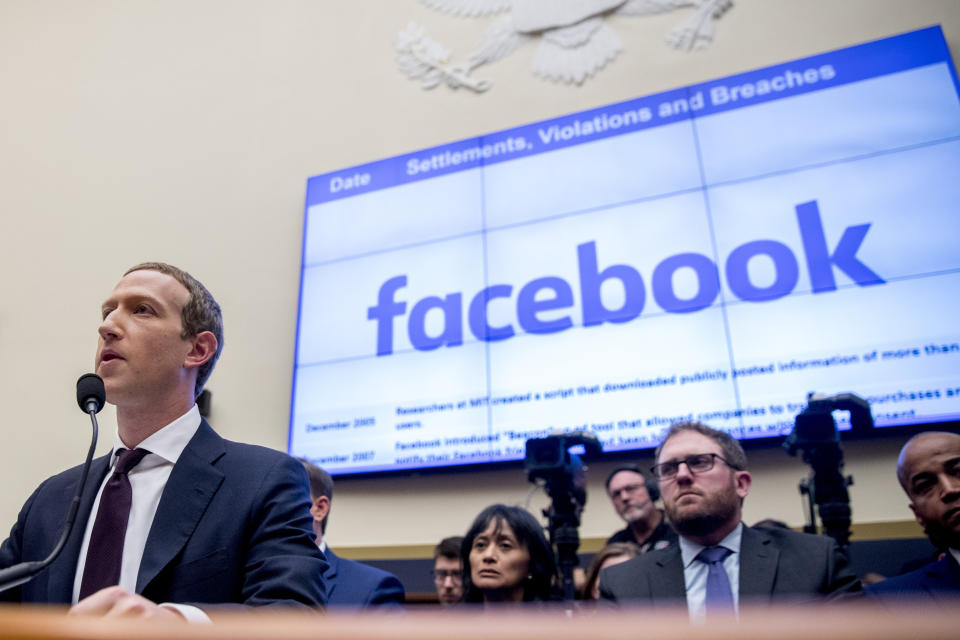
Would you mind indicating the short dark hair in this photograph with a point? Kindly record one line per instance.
(733, 453)
(448, 548)
(201, 313)
(652, 488)
(543, 567)
(321, 484)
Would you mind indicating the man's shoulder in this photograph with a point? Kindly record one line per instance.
(207, 442)
(788, 539)
(361, 584)
(66, 480)
(655, 558)
(934, 576)
(364, 571)
(624, 535)
(909, 582)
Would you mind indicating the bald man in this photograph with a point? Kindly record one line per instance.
(929, 472)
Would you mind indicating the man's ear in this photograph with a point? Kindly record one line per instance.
(742, 481)
(916, 515)
(320, 508)
(203, 348)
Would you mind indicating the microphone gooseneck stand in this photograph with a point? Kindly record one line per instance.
(90, 397)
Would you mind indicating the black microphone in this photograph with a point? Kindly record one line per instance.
(90, 396)
(90, 393)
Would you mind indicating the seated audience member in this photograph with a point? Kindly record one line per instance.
(719, 562)
(929, 472)
(507, 558)
(448, 571)
(633, 494)
(349, 583)
(612, 554)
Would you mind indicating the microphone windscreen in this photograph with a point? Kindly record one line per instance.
(90, 388)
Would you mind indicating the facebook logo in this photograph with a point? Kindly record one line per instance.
(539, 303)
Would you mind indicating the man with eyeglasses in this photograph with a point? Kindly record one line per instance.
(448, 571)
(633, 493)
(719, 563)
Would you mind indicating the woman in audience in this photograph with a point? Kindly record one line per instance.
(507, 558)
(613, 553)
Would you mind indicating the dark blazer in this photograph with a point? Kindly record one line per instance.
(938, 580)
(774, 565)
(354, 584)
(232, 526)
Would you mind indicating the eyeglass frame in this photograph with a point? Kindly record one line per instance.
(655, 469)
(440, 575)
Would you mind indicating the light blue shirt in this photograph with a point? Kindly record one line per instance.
(695, 573)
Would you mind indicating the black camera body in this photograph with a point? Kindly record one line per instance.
(549, 459)
(815, 435)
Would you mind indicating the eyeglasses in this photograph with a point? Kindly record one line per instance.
(440, 575)
(698, 463)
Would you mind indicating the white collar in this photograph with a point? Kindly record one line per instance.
(170, 441)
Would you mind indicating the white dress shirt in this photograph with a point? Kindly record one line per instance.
(695, 573)
(147, 481)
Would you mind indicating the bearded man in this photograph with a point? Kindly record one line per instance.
(719, 563)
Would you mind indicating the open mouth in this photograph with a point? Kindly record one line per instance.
(109, 356)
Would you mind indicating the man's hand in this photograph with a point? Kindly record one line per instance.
(117, 602)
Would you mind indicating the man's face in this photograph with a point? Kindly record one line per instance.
(630, 498)
(698, 504)
(140, 354)
(447, 574)
(930, 470)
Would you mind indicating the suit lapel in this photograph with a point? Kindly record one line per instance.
(191, 486)
(667, 581)
(64, 570)
(758, 564)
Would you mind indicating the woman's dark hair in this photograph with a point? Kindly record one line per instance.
(610, 551)
(542, 569)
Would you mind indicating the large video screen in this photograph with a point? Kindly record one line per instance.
(710, 253)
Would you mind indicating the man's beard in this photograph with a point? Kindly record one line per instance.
(714, 512)
(635, 514)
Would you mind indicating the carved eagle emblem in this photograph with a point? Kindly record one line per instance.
(573, 39)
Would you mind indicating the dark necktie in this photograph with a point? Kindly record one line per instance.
(719, 595)
(105, 551)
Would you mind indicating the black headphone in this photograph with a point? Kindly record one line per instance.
(648, 480)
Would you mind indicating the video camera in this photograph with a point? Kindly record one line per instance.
(550, 460)
(815, 434)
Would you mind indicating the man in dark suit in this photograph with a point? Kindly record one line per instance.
(929, 472)
(349, 583)
(186, 518)
(719, 563)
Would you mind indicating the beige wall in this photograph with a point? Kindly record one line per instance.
(184, 131)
